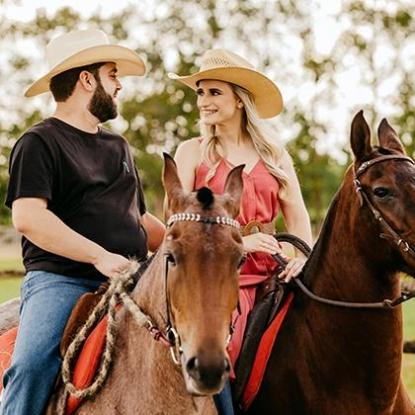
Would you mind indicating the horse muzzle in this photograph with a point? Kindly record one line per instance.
(206, 376)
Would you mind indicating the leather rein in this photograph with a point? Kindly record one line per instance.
(170, 336)
(390, 234)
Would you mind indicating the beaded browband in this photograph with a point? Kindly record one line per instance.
(196, 217)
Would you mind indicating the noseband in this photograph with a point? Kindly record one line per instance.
(171, 333)
(390, 234)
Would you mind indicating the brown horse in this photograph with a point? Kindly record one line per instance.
(332, 360)
(192, 285)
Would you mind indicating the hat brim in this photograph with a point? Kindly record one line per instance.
(128, 63)
(267, 96)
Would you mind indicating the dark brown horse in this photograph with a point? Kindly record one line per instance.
(192, 285)
(339, 361)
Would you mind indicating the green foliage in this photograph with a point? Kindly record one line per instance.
(156, 113)
(319, 174)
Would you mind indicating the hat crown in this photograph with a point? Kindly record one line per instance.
(69, 44)
(220, 58)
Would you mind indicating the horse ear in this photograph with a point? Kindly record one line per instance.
(233, 190)
(360, 137)
(172, 185)
(388, 137)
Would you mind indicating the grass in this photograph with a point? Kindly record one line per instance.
(7, 264)
(408, 364)
(9, 288)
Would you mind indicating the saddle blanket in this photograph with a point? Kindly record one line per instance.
(85, 367)
(262, 355)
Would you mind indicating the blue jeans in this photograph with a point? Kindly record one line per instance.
(223, 400)
(47, 300)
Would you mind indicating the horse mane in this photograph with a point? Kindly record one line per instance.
(310, 267)
(205, 197)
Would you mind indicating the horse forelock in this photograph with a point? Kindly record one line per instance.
(205, 196)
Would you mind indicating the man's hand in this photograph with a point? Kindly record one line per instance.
(111, 264)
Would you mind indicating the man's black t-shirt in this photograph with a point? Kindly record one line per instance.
(90, 183)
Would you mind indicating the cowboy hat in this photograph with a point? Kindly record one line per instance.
(85, 47)
(222, 65)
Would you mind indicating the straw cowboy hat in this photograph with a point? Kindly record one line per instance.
(85, 47)
(222, 65)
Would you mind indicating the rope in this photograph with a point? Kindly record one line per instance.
(117, 291)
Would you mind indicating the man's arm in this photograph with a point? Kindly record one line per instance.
(36, 222)
(155, 230)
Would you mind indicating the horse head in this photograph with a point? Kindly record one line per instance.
(203, 254)
(384, 178)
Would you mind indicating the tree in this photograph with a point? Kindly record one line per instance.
(278, 37)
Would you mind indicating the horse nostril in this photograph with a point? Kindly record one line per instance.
(192, 368)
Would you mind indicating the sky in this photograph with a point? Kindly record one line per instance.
(326, 29)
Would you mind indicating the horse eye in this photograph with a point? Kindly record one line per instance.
(381, 192)
(170, 258)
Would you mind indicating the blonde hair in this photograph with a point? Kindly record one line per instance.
(258, 130)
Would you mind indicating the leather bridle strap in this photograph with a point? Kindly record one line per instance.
(390, 234)
(305, 249)
(171, 333)
(365, 165)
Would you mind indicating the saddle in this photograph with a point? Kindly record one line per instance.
(87, 303)
(263, 325)
(80, 314)
(271, 295)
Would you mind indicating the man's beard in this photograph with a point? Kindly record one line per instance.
(102, 105)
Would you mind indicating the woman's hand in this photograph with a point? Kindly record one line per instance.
(261, 242)
(293, 268)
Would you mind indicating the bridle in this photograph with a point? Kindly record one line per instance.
(171, 333)
(390, 234)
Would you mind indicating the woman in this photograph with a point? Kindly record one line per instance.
(232, 98)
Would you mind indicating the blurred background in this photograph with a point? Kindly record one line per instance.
(329, 58)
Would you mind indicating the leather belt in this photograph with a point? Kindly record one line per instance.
(255, 226)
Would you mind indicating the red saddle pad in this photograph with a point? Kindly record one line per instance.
(85, 367)
(7, 341)
(263, 353)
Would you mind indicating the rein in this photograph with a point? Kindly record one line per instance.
(390, 235)
(118, 291)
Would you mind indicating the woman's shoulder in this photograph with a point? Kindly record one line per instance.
(191, 144)
(285, 161)
(190, 149)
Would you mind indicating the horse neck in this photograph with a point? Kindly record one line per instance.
(351, 263)
(150, 293)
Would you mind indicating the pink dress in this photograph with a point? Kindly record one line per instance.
(259, 202)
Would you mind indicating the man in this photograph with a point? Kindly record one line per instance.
(77, 199)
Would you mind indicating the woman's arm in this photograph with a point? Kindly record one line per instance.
(187, 158)
(296, 218)
(155, 230)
